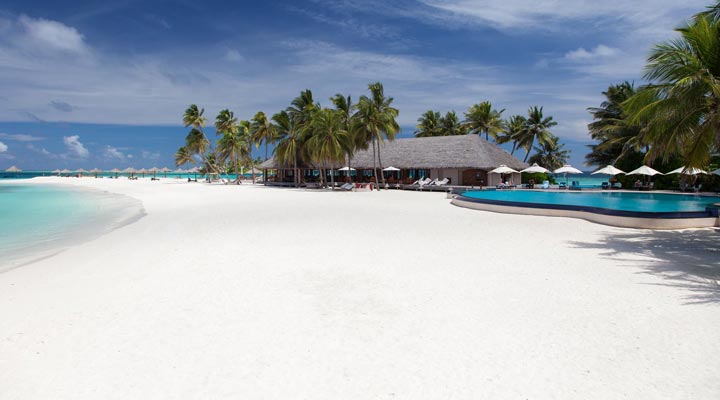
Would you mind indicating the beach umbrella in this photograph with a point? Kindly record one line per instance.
(130, 170)
(142, 171)
(96, 171)
(503, 169)
(391, 169)
(644, 170)
(346, 169)
(65, 171)
(567, 169)
(535, 168)
(57, 171)
(609, 170)
(165, 170)
(80, 171)
(116, 171)
(687, 171)
(154, 171)
(13, 169)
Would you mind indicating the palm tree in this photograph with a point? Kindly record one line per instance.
(287, 151)
(450, 125)
(196, 141)
(183, 156)
(328, 142)
(263, 130)
(550, 154)
(680, 111)
(346, 108)
(482, 118)
(226, 125)
(246, 137)
(537, 129)
(376, 121)
(514, 129)
(429, 124)
(610, 127)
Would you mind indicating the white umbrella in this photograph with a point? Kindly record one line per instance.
(716, 172)
(609, 170)
(567, 169)
(687, 171)
(503, 169)
(535, 168)
(346, 169)
(391, 169)
(644, 170)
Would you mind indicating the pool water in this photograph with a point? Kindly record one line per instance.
(623, 201)
(37, 220)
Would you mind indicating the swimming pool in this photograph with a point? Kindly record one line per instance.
(629, 209)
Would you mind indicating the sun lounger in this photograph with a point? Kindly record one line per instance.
(347, 186)
(442, 182)
(617, 185)
(545, 185)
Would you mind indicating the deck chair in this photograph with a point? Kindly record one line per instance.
(545, 185)
(442, 182)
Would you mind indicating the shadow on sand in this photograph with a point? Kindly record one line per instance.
(687, 259)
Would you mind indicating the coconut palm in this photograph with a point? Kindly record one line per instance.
(346, 108)
(376, 122)
(196, 141)
(328, 142)
(226, 125)
(450, 125)
(482, 118)
(246, 137)
(232, 146)
(263, 130)
(550, 153)
(610, 127)
(287, 151)
(537, 129)
(513, 130)
(429, 124)
(183, 156)
(680, 110)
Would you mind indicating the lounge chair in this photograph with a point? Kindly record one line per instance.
(545, 185)
(347, 186)
(605, 185)
(617, 185)
(442, 182)
(432, 183)
(424, 182)
(562, 185)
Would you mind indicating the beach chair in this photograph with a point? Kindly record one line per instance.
(442, 182)
(562, 185)
(605, 185)
(347, 186)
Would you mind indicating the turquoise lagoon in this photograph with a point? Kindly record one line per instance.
(39, 220)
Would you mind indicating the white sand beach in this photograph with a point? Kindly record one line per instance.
(247, 292)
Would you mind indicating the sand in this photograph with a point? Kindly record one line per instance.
(247, 292)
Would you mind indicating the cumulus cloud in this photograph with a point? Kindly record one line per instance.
(233, 55)
(3, 147)
(20, 137)
(114, 153)
(62, 106)
(150, 155)
(601, 51)
(75, 147)
(53, 35)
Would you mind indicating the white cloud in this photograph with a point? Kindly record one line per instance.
(233, 56)
(53, 35)
(75, 147)
(601, 51)
(3, 147)
(150, 155)
(114, 153)
(20, 137)
(39, 150)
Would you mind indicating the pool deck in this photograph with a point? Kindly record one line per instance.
(623, 219)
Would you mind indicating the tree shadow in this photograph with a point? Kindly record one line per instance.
(688, 259)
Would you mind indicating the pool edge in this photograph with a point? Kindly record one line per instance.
(623, 221)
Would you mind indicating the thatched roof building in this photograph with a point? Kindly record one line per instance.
(465, 158)
(462, 151)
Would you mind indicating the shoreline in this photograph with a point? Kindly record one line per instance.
(122, 210)
(246, 291)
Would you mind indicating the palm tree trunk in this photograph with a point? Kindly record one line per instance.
(266, 149)
(528, 149)
(295, 173)
(252, 168)
(513, 149)
(332, 177)
(377, 184)
(382, 175)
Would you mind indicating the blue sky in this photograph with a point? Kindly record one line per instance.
(104, 84)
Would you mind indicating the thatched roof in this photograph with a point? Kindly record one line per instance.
(463, 151)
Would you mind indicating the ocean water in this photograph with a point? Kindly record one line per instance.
(625, 201)
(39, 220)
